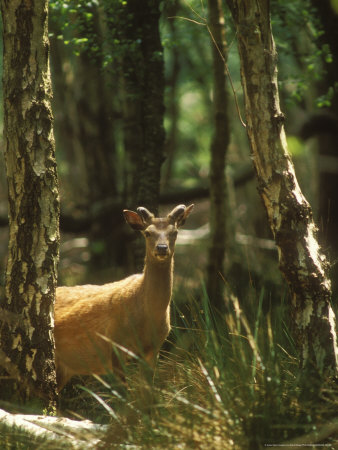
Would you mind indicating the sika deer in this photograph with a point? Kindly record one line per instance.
(133, 312)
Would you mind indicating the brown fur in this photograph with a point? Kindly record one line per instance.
(133, 312)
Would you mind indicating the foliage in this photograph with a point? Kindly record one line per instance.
(75, 20)
(296, 28)
(297, 32)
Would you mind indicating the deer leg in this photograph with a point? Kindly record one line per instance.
(151, 358)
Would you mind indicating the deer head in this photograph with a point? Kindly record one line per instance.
(160, 233)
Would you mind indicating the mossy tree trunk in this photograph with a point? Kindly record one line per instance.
(26, 320)
(289, 214)
(218, 149)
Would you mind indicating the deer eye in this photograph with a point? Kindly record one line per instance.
(147, 233)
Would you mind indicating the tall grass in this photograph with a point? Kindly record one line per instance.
(227, 381)
(224, 381)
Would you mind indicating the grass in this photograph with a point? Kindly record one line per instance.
(226, 381)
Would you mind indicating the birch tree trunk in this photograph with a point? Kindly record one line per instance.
(26, 319)
(289, 214)
(218, 150)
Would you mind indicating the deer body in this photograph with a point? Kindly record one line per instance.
(133, 312)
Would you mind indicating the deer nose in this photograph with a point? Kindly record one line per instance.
(162, 249)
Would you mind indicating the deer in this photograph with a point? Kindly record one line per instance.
(133, 313)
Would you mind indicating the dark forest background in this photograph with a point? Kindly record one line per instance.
(103, 102)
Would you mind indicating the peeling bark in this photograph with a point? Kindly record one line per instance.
(289, 213)
(26, 329)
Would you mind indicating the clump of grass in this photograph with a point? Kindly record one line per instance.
(226, 382)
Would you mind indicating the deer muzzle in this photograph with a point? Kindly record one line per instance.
(162, 249)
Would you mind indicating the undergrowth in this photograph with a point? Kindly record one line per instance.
(226, 381)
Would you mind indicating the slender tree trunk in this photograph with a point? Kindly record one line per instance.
(219, 146)
(143, 80)
(85, 120)
(26, 326)
(144, 104)
(94, 105)
(290, 215)
(172, 103)
(74, 183)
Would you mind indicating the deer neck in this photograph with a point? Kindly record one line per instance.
(158, 282)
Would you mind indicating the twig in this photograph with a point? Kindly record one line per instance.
(205, 23)
(229, 76)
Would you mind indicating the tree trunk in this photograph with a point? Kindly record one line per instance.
(172, 103)
(218, 149)
(96, 134)
(73, 182)
(26, 327)
(143, 79)
(289, 214)
(144, 90)
(85, 130)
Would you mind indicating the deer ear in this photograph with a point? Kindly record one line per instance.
(185, 215)
(179, 214)
(146, 215)
(134, 220)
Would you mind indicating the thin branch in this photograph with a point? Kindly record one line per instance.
(187, 19)
(205, 23)
(195, 12)
(229, 76)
